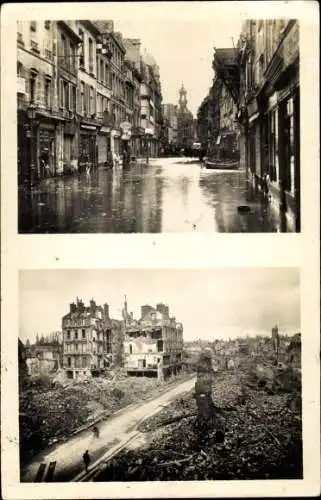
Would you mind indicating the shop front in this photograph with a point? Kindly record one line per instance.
(46, 158)
(70, 148)
(103, 145)
(87, 147)
(23, 152)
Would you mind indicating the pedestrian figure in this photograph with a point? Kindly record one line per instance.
(96, 431)
(86, 459)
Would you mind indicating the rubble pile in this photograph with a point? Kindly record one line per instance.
(262, 439)
(50, 412)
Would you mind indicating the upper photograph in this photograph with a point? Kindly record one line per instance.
(158, 126)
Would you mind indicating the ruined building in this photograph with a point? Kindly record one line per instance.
(91, 339)
(153, 344)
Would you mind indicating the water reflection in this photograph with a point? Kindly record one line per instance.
(166, 196)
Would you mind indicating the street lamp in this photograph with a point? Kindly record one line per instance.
(31, 112)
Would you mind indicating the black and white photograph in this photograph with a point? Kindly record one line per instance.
(160, 375)
(160, 124)
(160, 271)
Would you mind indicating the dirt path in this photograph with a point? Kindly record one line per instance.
(63, 462)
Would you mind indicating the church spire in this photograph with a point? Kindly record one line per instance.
(182, 98)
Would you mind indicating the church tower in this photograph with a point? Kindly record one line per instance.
(182, 98)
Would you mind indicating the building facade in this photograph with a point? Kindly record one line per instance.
(38, 110)
(170, 117)
(74, 90)
(270, 112)
(153, 345)
(90, 339)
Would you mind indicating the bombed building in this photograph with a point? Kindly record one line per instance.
(153, 344)
(91, 339)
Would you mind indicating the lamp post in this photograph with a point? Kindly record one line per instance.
(32, 144)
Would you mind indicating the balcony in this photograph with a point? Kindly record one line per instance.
(91, 68)
(20, 39)
(48, 54)
(34, 46)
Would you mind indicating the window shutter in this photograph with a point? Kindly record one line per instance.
(94, 103)
(78, 100)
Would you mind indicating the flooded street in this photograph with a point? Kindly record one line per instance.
(168, 195)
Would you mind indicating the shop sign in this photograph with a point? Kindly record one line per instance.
(125, 126)
(21, 85)
(88, 127)
(126, 136)
(104, 129)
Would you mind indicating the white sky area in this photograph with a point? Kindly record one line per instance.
(183, 50)
(211, 303)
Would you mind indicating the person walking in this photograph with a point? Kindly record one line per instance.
(86, 459)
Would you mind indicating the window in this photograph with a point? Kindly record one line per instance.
(130, 349)
(84, 362)
(72, 56)
(83, 333)
(47, 92)
(33, 81)
(76, 337)
(65, 95)
(82, 96)
(81, 48)
(69, 361)
(91, 56)
(73, 98)
(47, 25)
(63, 46)
(91, 101)
(102, 76)
(33, 26)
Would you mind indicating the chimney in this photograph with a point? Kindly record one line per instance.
(105, 26)
(163, 309)
(145, 310)
(92, 306)
(73, 307)
(106, 312)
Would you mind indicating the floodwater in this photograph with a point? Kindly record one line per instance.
(168, 195)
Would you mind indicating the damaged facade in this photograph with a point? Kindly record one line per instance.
(153, 345)
(91, 339)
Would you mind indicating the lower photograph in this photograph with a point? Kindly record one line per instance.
(160, 375)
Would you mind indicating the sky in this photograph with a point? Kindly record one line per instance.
(211, 303)
(180, 36)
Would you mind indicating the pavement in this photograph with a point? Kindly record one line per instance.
(63, 462)
(168, 195)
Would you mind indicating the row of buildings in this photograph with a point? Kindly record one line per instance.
(151, 345)
(253, 111)
(82, 91)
